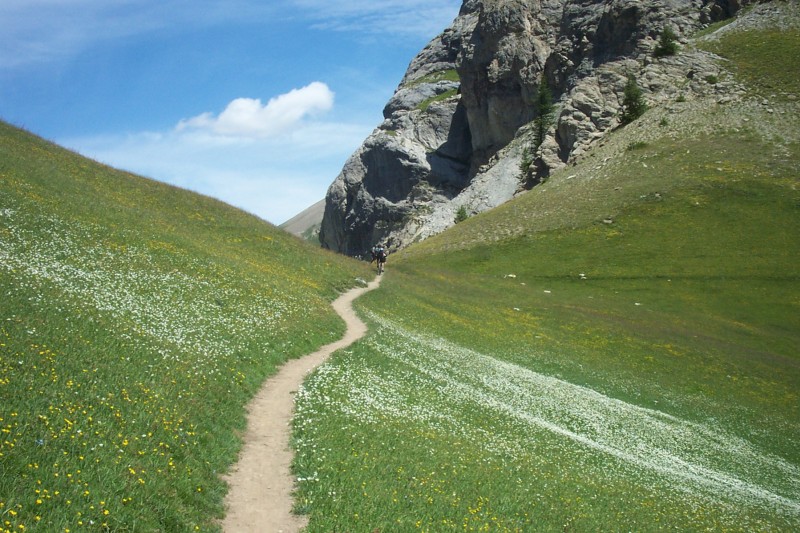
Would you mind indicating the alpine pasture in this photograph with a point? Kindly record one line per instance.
(615, 350)
(136, 321)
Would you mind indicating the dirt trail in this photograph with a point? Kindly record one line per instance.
(261, 484)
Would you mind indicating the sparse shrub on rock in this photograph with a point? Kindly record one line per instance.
(633, 104)
(667, 43)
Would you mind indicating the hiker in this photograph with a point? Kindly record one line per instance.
(375, 251)
(379, 254)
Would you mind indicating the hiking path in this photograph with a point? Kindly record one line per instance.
(260, 484)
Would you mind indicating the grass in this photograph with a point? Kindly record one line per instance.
(435, 436)
(697, 277)
(136, 321)
(714, 26)
(766, 60)
(665, 342)
(637, 145)
(425, 104)
(614, 350)
(442, 75)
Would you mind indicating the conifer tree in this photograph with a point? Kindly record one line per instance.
(633, 104)
(667, 45)
(544, 113)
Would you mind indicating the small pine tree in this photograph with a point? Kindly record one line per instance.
(461, 214)
(633, 104)
(526, 161)
(544, 110)
(544, 113)
(667, 43)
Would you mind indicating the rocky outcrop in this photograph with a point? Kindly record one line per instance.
(462, 119)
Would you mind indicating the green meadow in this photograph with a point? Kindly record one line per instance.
(615, 350)
(136, 321)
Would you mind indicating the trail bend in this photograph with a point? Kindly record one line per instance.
(260, 484)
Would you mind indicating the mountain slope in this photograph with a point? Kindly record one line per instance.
(136, 321)
(616, 349)
(466, 130)
(306, 224)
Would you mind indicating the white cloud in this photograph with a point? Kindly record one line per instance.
(248, 118)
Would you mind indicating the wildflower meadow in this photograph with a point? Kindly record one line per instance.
(136, 320)
(413, 432)
(614, 350)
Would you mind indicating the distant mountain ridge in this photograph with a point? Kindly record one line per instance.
(462, 119)
(306, 224)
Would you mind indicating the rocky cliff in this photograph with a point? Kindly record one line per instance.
(464, 119)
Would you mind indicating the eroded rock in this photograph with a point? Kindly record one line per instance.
(462, 119)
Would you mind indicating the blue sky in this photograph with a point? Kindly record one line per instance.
(255, 102)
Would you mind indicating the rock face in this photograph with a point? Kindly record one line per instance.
(463, 118)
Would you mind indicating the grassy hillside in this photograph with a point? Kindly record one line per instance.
(615, 350)
(136, 320)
